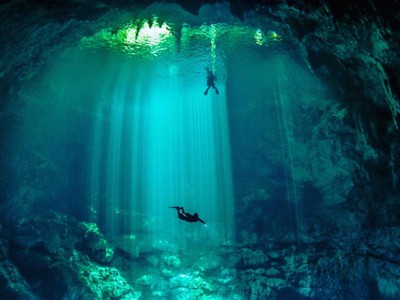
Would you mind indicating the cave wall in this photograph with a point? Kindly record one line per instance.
(355, 174)
(352, 47)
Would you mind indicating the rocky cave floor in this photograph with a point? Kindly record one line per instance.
(53, 256)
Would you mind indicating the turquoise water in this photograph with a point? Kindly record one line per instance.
(159, 142)
(121, 138)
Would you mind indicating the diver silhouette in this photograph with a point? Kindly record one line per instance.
(211, 82)
(186, 216)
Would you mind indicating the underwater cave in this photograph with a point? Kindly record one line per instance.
(199, 149)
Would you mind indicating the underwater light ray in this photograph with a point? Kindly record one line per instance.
(135, 190)
(282, 103)
(164, 146)
(95, 184)
(112, 191)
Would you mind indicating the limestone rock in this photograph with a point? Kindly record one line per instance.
(95, 243)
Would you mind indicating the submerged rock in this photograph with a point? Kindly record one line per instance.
(4, 249)
(44, 231)
(60, 258)
(252, 258)
(62, 278)
(12, 284)
(388, 288)
(147, 279)
(95, 243)
(171, 261)
(29, 261)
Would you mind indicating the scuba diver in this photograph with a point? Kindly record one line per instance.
(186, 216)
(211, 82)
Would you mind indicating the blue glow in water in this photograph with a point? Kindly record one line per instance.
(159, 142)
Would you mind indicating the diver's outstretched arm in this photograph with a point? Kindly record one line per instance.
(201, 221)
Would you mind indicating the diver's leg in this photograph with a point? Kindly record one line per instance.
(182, 215)
(206, 91)
(177, 210)
(216, 90)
